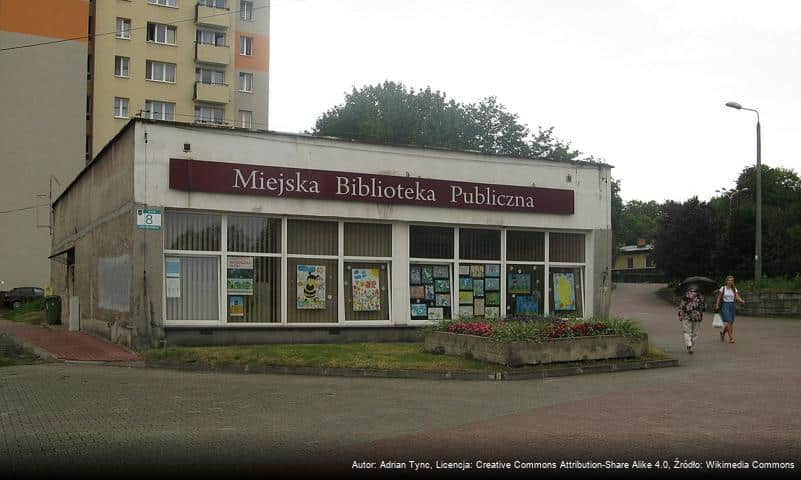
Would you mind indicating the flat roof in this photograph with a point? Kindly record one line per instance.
(304, 136)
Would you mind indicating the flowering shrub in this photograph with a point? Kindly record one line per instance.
(481, 329)
(541, 330)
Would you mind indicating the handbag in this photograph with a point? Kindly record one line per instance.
(717, 321)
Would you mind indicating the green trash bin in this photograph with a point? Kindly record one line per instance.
(53, 309)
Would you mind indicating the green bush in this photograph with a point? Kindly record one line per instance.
(771, 284)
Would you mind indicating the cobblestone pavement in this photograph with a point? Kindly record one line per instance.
(735, 401)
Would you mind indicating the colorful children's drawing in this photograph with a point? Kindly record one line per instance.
(429, 293)
(519, 283)
(492, 312)
(417, 291)
(443, 300)
(564, 292)
(465, 283)
(442, 271)
(492, 284)
(492, 270)
(477, 271)
(527, 305)
(478, 307)
(465, 298)
(464, 269)
(465, 311)
(442, 285)
(492, 299)
(419, 310)
(478, 287)
(414, 275)
(428, 274)
(366, 290)
(311, 287)
(435, 313)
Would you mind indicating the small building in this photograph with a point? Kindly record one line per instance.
(634, 263)
(186, 235)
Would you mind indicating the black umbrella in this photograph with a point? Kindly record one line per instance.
(705, 285)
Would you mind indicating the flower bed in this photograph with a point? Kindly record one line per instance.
(539, 341)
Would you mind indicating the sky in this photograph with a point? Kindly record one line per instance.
(639, 84)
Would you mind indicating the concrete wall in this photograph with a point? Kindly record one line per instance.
(602, 272)
(42, 133)
(96, 218)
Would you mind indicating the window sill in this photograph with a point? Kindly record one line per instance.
(164, 6)
(160, 81)
(245, 55)
(123, 38)
(151, 42)
(122, 76)
(250, 92)
(121, 118)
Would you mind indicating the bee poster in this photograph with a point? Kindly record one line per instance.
(311, 287)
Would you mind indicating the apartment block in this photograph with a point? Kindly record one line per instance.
(193, 61)
(43, 70)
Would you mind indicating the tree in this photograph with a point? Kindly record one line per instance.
(392, 113)
(685, 239)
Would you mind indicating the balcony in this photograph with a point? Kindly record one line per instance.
(212, 93)
(215, 17)
(216, 54)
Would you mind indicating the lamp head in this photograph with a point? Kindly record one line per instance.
(734, 105)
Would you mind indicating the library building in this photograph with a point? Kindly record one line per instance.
(180, 234)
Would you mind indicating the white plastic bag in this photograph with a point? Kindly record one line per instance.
(717, 321)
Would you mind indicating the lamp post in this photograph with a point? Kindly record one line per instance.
(758, 241)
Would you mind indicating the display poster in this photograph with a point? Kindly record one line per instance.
(436, 313)
(172, 267)
(465, 298)
(564, 291)
(465, 283)
(464, 269)
(477, 271)
(493, 298)
(417, 291)
(442, 285)
(420, 310)
(478, 307)
(173, 287)
(441, 271)
(366, 290)
(492, 284)
(519, 283)
(492, 270)
(465, 311)
(311, 287)
(428, 274)
(527, 305)
(492, 312)
(236, 306)
(240, 275)
(429, 293)
(478, 287)
(414, 276)
(443, 300)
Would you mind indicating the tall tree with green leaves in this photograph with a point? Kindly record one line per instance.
(392, 113)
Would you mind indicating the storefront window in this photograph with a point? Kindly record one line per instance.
(430, 291)
(430, 242)
(366, 291)
(192, 287)
(312, 237)
(566, 287)
(566, 247)
(479, 290)
(312, 290)
(254, 234)
(525, 246)
(524, 290)
(475, 244)
(192, 231)
(368, 240)
(254, 289)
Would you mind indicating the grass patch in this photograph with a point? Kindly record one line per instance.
(771, 284)
(31, 312)
(394, 356)
(5, 361)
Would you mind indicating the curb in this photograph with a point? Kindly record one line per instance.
(41, 353)
(416, 374)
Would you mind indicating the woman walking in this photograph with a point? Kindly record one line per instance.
(691, 312)
(724, 304)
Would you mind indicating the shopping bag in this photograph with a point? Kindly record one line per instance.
(717, 321)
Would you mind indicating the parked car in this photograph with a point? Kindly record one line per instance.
(22, 295)
(3, 296)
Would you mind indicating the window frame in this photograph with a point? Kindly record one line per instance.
(120, 31)
(200, 73)
(245, 46)
(212, 117)
(162, 103)
(201, 32)
(164, 3)
(124, 105)
(166, 30)
(150, 68)
(242, 120)
(246, 13)
(118, 61)
(214, 4)
(240, 87)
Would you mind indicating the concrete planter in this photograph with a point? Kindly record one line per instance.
(515, 354)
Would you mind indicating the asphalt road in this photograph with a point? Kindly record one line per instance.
(727, 402)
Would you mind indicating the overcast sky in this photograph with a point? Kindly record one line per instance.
(641, 84)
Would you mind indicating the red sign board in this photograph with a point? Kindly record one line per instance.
(285, 182)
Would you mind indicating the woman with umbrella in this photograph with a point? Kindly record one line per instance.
(691, 308)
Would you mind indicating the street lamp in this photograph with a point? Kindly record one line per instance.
(758, 242)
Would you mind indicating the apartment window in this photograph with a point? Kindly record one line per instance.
(164, 3)
(211, 37)
(160, 33)
(245, 119)
(246, 46)
(245, 82)
(212, 3)
(207, 75)
(160, 71)
(120, 107)
(160, 110)
(121, 65)
(124, 28)
(246, 10)
(209, 115)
